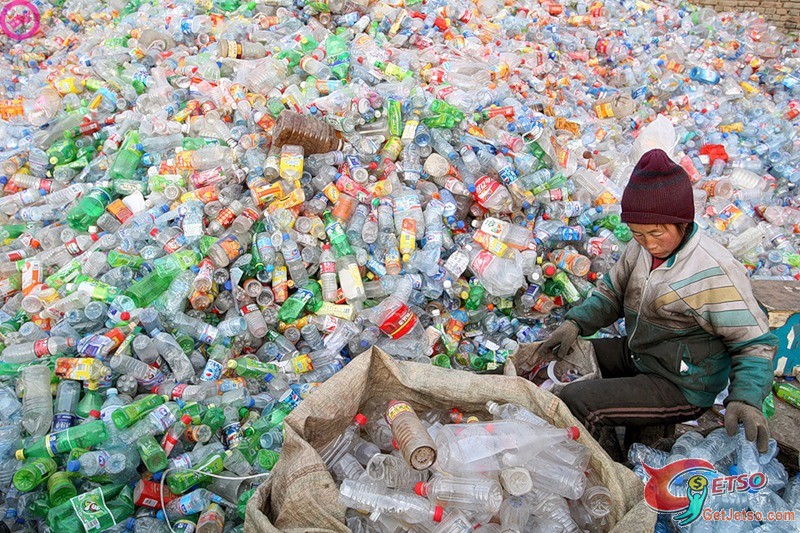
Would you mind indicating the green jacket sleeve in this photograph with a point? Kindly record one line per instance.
(605, 305)
(743, 327)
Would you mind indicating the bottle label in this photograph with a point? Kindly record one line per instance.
(396, 409)
(177, 392)
(182, 461)
(213, 371)
(481, 262)
(302, 364)
(230, 435)
(208, 335)
(399, 323)
(226, 385)
(162, 417)
(405, 203)
(40, 348)
(212, 518)
(187, 505)
(485, 188)
(90, 508)
(62, 421)
(328, 267)
(102, 459)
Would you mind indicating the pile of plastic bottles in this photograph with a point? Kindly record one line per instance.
(423, 473)
(762, 480)
(210, 207)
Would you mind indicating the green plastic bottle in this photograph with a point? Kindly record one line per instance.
(60, 488)
(91, 401)
(93, 511)
(475, 297)
(152, 454)
(214, 417)
(129, 414)
(146, 290)
(787, 393)
(34, 473)
(89, 209)
(181, 481)
(82, 436)
(247, 367)
(290, 309)
(62, 151)
(175, 262)
(267, 459)
(336, 235)
(128, 158)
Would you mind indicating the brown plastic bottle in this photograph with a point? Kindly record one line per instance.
(315, 136)
(412, 439)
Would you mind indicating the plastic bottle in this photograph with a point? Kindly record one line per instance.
(374, 498)
(332, 452)
(413, 441)
(37, 404)
(512, 443)
(476, 495)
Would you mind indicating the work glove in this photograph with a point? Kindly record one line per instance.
(561, 341)
(755, 425)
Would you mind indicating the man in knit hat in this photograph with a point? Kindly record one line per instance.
(691, 319)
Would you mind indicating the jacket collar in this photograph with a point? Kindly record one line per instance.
(685, 249)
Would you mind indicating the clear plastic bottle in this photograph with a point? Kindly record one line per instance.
(37, 404)
(334, 450)
(508, 442)
(30, 351)
(394, 472)
(474, 494)
(96, 463)
(371, 497)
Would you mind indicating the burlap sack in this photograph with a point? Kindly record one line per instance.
(300, 495)
(581, 357)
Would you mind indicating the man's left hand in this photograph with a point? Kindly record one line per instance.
(755, 425)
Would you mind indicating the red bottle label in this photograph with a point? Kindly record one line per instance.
(399, 323)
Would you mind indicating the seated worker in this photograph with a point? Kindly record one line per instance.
(691, 319)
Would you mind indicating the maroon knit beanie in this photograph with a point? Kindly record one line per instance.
(659, 192)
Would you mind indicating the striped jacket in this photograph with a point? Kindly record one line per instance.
(693, 320)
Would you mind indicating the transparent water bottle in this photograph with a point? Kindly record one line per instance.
(37, 404)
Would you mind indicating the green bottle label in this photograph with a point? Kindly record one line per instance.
(91, 509)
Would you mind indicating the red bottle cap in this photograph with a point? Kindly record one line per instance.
(394, 444)
(437, 514)
(421, 489)
(573, 432)
(125, 316)
(94, 413)
(360, 420)
(186, 419)
(549, 270)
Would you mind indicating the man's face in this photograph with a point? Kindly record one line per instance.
(658, 239)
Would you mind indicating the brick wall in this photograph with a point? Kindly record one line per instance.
(784, 14)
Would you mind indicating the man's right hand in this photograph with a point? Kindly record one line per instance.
(561, 341)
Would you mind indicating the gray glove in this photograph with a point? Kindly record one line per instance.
(755, 425)
(562, 339)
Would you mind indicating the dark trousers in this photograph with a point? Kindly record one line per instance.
(625, 396)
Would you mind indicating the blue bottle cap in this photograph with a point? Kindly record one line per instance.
(157, 475)
(160, 515)
(73, 465)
